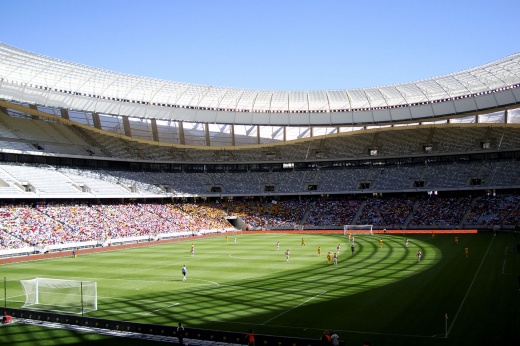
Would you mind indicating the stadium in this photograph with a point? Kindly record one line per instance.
(94, 160)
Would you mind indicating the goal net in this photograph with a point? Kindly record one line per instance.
(71, 296)
(357, 229)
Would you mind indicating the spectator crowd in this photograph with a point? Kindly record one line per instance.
(23, 225)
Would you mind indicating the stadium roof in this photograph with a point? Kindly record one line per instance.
(33, 78)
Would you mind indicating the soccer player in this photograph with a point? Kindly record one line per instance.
(406, 243)
(303, 242)
(352, 248)
(381, 242)
(192, 249)
(466, 250)
(457, 240)
(352, 239)
(338, 248)
(226, 238)
(277, 245)
(335, 259)
(329, 257)
(184, 272)
(287, 255)
(235, 240)
(319, 251)
(350, 236)
(419, 254)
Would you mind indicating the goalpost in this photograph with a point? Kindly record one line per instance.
(72, 296)
(357, 229)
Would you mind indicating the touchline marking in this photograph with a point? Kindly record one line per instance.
(286, 311)
(469, 288)
(504, 266)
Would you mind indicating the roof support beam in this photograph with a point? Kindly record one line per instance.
(64, 113)
(35, 117)
(126, 126)
(155, 131)
(206, 134)
(96, 120)
(181, 133)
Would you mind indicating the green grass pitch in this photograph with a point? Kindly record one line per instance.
(378, 294)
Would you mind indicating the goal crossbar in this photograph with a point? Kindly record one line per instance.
(357, 229)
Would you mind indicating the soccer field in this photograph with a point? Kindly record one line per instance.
(380, 294)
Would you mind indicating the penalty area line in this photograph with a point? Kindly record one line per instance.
(286, 311)
(123, 312)
(166, 307)
(211, 282)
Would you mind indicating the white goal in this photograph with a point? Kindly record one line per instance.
(298, 227)
(357, 229)
(70, 296)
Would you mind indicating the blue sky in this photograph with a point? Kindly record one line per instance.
(268, 44)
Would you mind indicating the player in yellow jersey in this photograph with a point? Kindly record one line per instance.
(329, 258)
(319, 251)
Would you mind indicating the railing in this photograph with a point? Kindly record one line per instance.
(158, 329)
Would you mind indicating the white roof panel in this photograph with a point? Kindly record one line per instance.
(30, 78)
(358, 99)
(338, 99)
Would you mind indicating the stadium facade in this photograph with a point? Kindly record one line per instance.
(112, 135)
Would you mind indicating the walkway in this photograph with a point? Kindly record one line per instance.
(122, 334)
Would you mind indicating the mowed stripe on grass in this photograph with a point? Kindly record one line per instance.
(378, 291)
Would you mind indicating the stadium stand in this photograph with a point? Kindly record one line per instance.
(410, 156)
